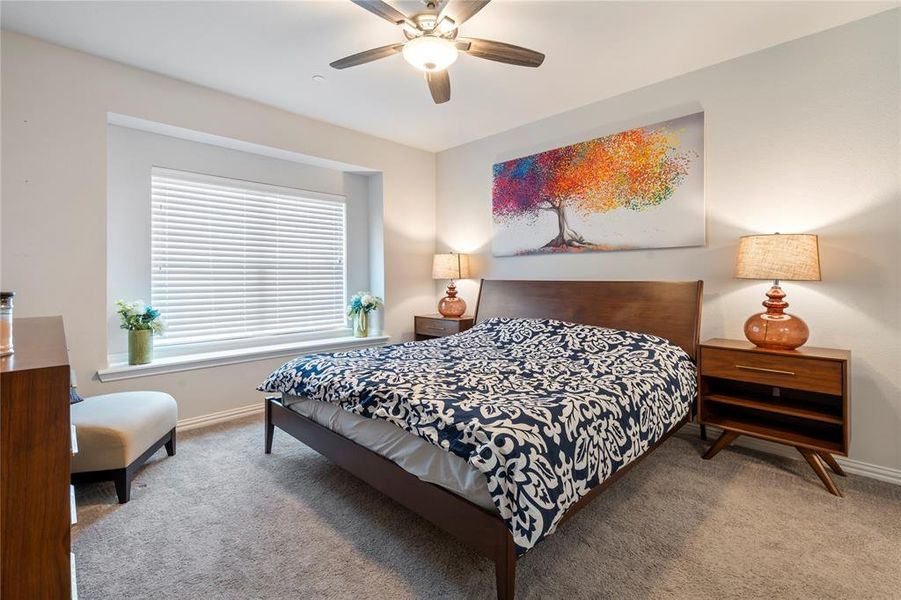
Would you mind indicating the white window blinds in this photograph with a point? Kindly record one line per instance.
(233, 259)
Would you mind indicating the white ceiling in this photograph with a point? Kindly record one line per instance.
(269, 51)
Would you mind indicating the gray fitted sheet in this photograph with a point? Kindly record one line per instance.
(414, 455)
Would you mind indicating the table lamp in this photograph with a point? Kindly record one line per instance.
(793, 257)
(451, 266)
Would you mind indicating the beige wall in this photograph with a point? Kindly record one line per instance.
(54, 194)
(799, 137)
(802, 137)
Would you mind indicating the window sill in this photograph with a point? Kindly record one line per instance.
(175, 364)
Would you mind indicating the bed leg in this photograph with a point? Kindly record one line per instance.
(505, 569)
(270, 428)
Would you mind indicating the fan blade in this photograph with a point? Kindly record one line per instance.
(384, 10)
(461, 10)
(439, 85)
(501, 52)
(367, 56)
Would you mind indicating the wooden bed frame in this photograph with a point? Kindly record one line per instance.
(667, 309)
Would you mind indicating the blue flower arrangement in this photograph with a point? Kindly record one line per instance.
(361, 304)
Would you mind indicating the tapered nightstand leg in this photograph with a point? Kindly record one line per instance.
(726, 438)
(814, 461)
(833, 464)
(703, 432)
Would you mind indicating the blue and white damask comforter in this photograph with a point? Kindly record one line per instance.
(545, 409)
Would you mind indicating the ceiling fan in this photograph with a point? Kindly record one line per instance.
(433, 44)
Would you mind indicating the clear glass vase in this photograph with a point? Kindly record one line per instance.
(361, 324)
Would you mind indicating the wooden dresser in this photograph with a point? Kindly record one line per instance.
(35, 452)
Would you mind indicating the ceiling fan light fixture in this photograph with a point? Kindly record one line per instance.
(432, 43)
(429, 53)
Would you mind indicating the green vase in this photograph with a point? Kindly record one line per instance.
(361, 325)
(140, 346)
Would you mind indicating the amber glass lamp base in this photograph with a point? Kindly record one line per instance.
(450, 305)
(775, 328)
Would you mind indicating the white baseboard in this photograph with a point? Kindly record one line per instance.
(218, 417)
(872, 471)
(855, 467)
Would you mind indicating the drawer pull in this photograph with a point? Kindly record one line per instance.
(780, 372)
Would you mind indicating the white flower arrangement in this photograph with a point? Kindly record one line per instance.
(136, 316)
(363, 302)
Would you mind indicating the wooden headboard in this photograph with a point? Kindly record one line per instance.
(668, 309)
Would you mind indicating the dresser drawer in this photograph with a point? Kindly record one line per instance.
(777, 370)
(438, 327)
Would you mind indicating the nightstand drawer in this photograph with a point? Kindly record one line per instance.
(777, 370)
(438, 327)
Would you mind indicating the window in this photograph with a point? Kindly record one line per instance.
(233, 260)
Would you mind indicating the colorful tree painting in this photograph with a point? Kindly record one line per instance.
(634, 170)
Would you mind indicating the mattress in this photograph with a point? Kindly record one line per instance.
(412, 454)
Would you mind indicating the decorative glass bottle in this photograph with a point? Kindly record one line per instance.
(6, 323)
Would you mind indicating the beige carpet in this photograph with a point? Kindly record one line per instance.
(223, 520)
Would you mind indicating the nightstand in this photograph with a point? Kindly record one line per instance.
(426, 327)
(794, 397)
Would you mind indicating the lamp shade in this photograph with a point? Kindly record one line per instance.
(791, 257)
(450, 266)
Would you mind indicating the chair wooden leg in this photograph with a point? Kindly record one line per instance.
(833, 464)
(505, 569)
(726, 438)
(123, 485)
(170, 445)
(814, 461)
(270, 428)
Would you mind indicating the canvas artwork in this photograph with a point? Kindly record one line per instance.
(641, 188)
